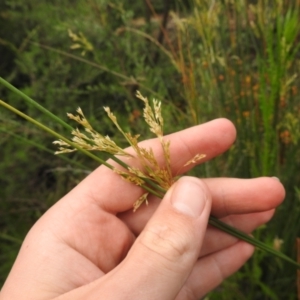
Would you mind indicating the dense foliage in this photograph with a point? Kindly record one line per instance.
(202, 59)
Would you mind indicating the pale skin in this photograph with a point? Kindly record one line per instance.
(91, 245)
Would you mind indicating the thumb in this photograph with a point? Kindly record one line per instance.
(164, 254)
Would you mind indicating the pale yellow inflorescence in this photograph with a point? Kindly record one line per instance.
(150, 169)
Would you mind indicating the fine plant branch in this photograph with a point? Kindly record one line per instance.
(54, 118)
(159, 191)
(155, 42)
(74, 145)
(54, 133)
(96, 65)
(35, 104)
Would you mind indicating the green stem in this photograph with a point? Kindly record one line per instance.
(156, 186)
(158, 192)
(57, 135)
(243, 236)
(50, 115)
(74, 145)
(35, 104)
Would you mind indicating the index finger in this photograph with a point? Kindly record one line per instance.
(115, 195)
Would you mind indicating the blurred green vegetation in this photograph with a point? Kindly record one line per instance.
(202, 58)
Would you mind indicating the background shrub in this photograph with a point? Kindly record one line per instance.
(203, 59)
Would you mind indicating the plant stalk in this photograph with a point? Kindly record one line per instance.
(159, 192)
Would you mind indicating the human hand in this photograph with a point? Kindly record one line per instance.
(90, 244)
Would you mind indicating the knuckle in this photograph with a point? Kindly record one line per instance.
(187, 293)
(167, 241)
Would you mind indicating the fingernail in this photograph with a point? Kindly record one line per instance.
(276, 178)
(188, 197)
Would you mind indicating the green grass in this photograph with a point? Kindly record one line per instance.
(217, 59)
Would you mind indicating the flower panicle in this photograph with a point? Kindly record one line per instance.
(153, 117)
(150, 173)
(140, 201)
(80, 118)
(80, 42)
(131, 176)
(195, 159)
(91, 140)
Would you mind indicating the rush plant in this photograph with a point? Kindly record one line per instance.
(151, 176)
